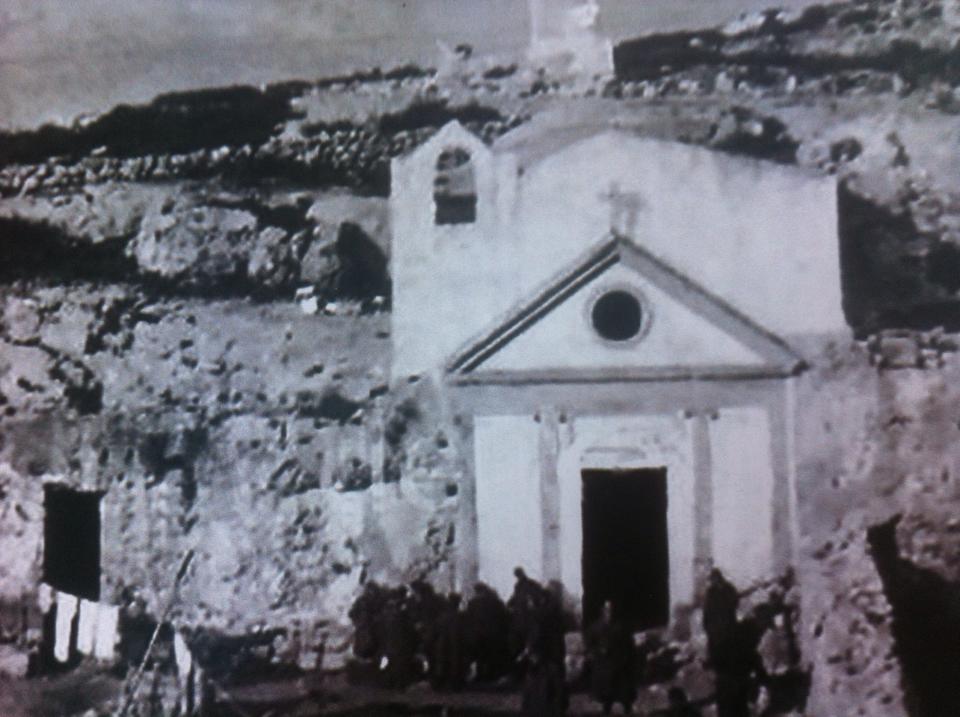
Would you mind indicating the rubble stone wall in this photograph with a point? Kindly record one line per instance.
(871, 443)
(259, 436)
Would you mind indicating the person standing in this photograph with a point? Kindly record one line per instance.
(448, 663)
(365, 615)
(397, 639)
(522, 606)
(719, 615)
(488, 633)
(733, 647)
(544, 691)
(544, 653)
(612, 655)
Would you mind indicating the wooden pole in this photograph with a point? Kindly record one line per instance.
(131, 686)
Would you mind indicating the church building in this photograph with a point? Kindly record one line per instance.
(621, 323)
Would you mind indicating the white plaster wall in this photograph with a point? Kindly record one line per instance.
(760, 235)
(565, 338)
(742, 494)
(628, 442)
(509, 526)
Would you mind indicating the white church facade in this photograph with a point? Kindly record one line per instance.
(621, 322)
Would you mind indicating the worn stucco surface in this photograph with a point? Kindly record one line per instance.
(774, 257)
(251, 434)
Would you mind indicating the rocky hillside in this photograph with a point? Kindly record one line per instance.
(865, 90)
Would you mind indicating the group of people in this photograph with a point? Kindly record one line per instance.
(410, 633)
(733, 652)
(414, 633)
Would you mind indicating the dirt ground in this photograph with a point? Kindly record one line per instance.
(89, 687)
(71, 693)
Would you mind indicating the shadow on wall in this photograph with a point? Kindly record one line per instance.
(926, 626)
(893, 275)
(40, 250)
(363, 272)
(175, 122)
(644, 57)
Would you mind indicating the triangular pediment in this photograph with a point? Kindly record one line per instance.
(679, 329)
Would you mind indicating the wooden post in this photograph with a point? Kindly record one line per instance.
(131, 687)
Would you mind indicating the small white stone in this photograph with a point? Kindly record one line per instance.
(725, 83)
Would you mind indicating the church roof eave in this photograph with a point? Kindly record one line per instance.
(660, 374)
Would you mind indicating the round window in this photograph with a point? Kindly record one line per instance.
(617, 316)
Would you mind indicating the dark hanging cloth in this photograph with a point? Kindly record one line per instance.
(136, 629)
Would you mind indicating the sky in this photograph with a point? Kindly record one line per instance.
(61, 58)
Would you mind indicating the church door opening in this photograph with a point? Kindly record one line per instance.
(625, 554)
(71, 541)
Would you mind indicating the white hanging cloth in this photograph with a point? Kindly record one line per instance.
(108, 617)
(66, 609)
(183, 658)
(87, 627)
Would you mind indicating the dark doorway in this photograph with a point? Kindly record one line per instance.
(71, 541)
(625, 558)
